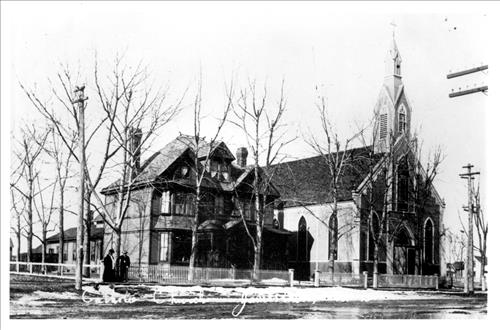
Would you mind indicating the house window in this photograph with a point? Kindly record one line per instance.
(402, 120)
(214, 168)
(383, 126)
(51, 251)
(219, 205)
(276, 224)
(182, 203)
(156, 203)
(165, 202)
(164, 238)
(224, 169)
(247, 210)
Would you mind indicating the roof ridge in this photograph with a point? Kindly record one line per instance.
(318, 156)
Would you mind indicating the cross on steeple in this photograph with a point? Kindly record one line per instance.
(393, 24)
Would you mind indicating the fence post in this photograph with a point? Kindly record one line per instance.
(437, 281)
(17, 266)
(375, 280)
(316, 278)
(365, 279)
(233, 272)
(290, 275)
(31, 268)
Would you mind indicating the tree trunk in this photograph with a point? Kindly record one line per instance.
(258, 221)
(194, 236)
(118, 247)
(30, 216)
(44, 248)
(86, 234)
(60, 258)
(19, 244)
(375, 264)
(333, 227)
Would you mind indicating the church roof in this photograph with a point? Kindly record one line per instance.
(306, 181)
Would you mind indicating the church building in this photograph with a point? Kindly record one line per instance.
(413, 208)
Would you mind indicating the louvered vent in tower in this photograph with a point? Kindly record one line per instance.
(383, 126)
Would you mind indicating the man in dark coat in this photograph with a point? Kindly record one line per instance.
(109, 262)
(124, 264)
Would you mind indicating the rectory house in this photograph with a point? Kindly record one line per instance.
(157, 228)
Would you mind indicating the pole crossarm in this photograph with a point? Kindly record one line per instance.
(468, 71)
(469, 91)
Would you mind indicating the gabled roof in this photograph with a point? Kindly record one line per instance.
(161, 160)
(307, 181)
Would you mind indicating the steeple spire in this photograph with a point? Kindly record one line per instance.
(392, 108)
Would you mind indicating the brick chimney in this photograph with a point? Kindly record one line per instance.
(241, 157)
(135, 149)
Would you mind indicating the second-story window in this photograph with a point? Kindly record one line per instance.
(182, 204)
(165, 202)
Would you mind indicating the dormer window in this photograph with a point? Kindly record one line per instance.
(402, 119)
(224, 170)
(219, 168)
(184, 171)
(214, 168)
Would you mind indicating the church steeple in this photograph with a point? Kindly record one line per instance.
(392, 110)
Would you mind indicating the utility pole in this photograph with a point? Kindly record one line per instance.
(80, 99)
(469, 280)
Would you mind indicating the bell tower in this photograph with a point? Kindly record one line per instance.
(392, 111)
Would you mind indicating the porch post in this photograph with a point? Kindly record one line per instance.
(170, 248)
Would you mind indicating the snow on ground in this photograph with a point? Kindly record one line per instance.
(39, 298)
(197, 294)
(110, 294)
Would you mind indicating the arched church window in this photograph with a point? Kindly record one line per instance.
(403, 185)
(428, 241)
(302, 240)
(373, 232)
(402, 119)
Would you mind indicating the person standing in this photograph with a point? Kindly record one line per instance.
(124, 262)
(109, 262)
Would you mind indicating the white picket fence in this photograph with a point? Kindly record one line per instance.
(54, 269)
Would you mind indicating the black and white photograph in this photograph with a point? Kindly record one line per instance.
(247, 161)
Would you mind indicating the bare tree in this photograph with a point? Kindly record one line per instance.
(200, 171)
(335, 155)
(44, 213)
(136, 112)
(19, 227)
(127, 101)
(266, 137)
(31, 147)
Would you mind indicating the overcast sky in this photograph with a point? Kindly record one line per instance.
(337, 47)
